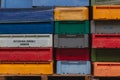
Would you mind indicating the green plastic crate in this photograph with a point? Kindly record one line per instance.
(71, 27)
(105, 55)
(105, 2)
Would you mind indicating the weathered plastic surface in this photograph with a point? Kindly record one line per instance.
(73, 67)
(71, 27)
(25, 54)
(26, 40)
(71, 41)
(105, 55)
(27, 28)
(26, 15)
(60, 3)
(110, 12)
(105, 27)
(71, 13)
(105, 2)
(26, 69)
(72, 54)
(16, 3)
(105, 40)
(107, 69)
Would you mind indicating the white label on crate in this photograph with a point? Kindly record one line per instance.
(26, 41)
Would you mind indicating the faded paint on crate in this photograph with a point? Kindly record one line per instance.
(25, 54)
(105, 55)
(105, 27)
(26, 69)
(106, 69)
(104, 12)
(71, 41)
(73, 67)
(71, 27)
(60, 3)
(71, 13)
(16, 3)
(26, 40)
(27, 28)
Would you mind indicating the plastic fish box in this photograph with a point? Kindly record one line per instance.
(25, 54)
(107, 69)
(105, 40)
(60, 3)
(16, 3)
(26, 40)
(105, 55)
(105, 2)
(73, 67)
(110, 12)
(71, 13)
(105, 27)
(27, 28)
(72, 54)
(26, 15)
(71, 41)
(26, 69)
(71, 27)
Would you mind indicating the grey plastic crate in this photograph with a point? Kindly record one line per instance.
(105, 27)
(105, 2)
(71, 41)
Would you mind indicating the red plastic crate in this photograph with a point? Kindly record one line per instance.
(72, 54)
(105, 40)
(25, 54)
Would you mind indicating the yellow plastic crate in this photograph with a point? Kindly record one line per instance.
(106, 12)
(26, 69)
(71, 13)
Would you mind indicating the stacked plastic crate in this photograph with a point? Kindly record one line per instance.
(71, 37)
(106, 38)
(26, 41)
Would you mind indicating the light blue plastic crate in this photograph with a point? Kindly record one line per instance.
(16, 3)
(60, 3)
(73, 67)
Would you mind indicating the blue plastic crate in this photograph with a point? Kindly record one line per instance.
(27, 28)
(60, 3)
(73, 67)
(16, 3)
(26, 15)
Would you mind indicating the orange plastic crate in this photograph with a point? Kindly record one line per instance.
(109, 69)
(106, 12)
(71, 13)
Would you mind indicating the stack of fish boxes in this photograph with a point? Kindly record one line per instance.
(71, 38)
(106, 38)
(26, 41)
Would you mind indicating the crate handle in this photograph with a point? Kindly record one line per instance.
(103, 64)
(71, 10)
(107, 36)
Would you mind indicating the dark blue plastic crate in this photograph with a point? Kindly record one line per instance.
(60, 3)
(26, 15)
(16, 3)
(27, 28)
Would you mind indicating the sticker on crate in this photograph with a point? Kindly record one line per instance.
(73, 67)
(106, 69)
(60, 3)
(25, 54)
(110, 12)
(71, 27)
(26, 40)
(105, 40)
(72, 54)
(105, 27)
(71, 41)
(71, 13)
(105, 55)
(26, 69)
